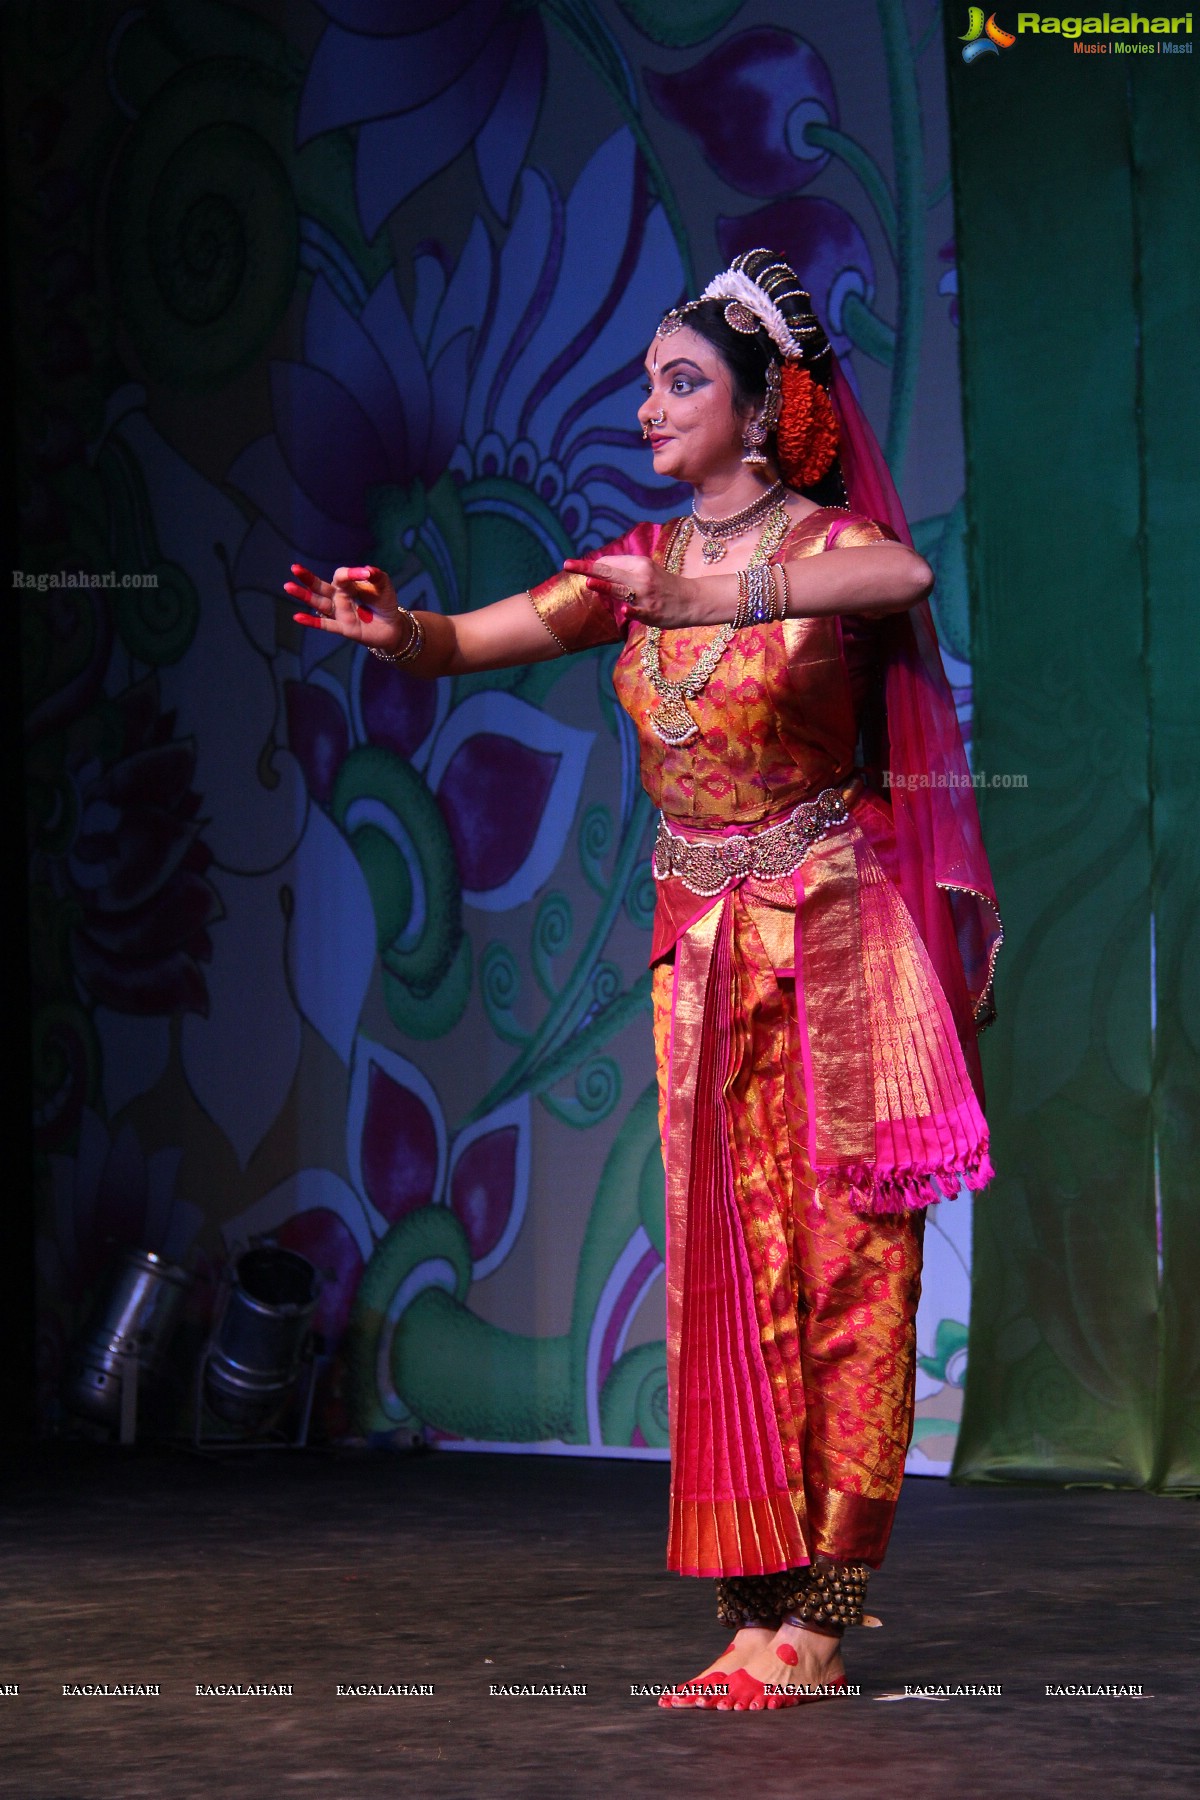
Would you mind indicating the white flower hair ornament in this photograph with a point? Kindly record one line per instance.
(748, 297)
(750, 304)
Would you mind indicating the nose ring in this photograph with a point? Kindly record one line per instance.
(656, 419)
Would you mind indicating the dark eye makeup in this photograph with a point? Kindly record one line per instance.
(686, 380)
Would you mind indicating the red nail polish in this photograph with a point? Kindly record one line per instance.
(306, 619)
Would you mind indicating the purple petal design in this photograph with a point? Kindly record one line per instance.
(603, 219)
(632, 1274)
(747, 104)
(399, 1148)
(507, 778)
(431, 269)
(397, 155)
(396, 1136)
(354, 76)
(449, 383)
(367, 391)
(323, 1238)
(385, 319)
(823, 244)
(465, 300)
(493, 793)
(481, 1188)
(314, 413)
(335, 341)
(308, 1190)
(628, 1300)
(398, 711)
(528, 269)
(501, 144)
(318, 735)
(488, 1184)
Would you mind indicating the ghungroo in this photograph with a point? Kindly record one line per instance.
(835, 1595)
(825, 1594)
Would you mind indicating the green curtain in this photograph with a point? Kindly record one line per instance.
(1165, 137)
(1076, 214)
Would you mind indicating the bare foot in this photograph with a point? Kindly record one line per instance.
(751, 1639)
(792, 1663)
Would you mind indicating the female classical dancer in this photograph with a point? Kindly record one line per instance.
(822, 949)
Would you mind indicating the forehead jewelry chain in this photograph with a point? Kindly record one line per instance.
(716, 532)
(671, 719)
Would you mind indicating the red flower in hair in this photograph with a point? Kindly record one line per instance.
(807, 435)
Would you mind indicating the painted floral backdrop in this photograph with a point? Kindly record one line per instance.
(321, 951)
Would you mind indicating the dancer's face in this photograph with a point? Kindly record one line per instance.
(691, 387)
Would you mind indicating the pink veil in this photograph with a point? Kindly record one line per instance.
(940, 862)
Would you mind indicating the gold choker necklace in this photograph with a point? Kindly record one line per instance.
(716, 531)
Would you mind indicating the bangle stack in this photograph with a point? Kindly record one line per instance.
(761, 600)
(408, 651)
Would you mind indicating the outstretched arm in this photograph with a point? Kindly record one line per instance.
(360, 604)
(867, 578)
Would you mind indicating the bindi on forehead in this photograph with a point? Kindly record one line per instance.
(707, 362)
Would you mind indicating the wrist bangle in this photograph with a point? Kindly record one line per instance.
(740, 612)
(760, 596)
(785, 593)
(412, 648)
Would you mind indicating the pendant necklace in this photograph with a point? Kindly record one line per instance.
(671, 720)
(715, 532)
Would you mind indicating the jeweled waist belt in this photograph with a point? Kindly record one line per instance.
(705, 867)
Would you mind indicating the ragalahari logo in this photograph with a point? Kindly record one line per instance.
(983, 37)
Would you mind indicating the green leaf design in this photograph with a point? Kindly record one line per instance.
(431, 1013)
(949, 1337)
(679, 24)
(419, 851)
(597, 1091)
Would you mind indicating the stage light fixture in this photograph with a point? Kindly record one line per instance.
(121, 1354)
(261, 1344)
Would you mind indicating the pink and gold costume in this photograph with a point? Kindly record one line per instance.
(814, 1022)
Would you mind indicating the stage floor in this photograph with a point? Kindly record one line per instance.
(464, 1572)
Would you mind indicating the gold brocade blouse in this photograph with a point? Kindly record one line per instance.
(778, 718)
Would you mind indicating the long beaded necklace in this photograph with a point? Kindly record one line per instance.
(716, 531)
(671, 719)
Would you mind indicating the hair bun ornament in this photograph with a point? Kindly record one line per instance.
(739, 318)
(807, 435)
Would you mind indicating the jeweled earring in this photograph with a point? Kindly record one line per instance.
(755, 434)
(753, 439)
